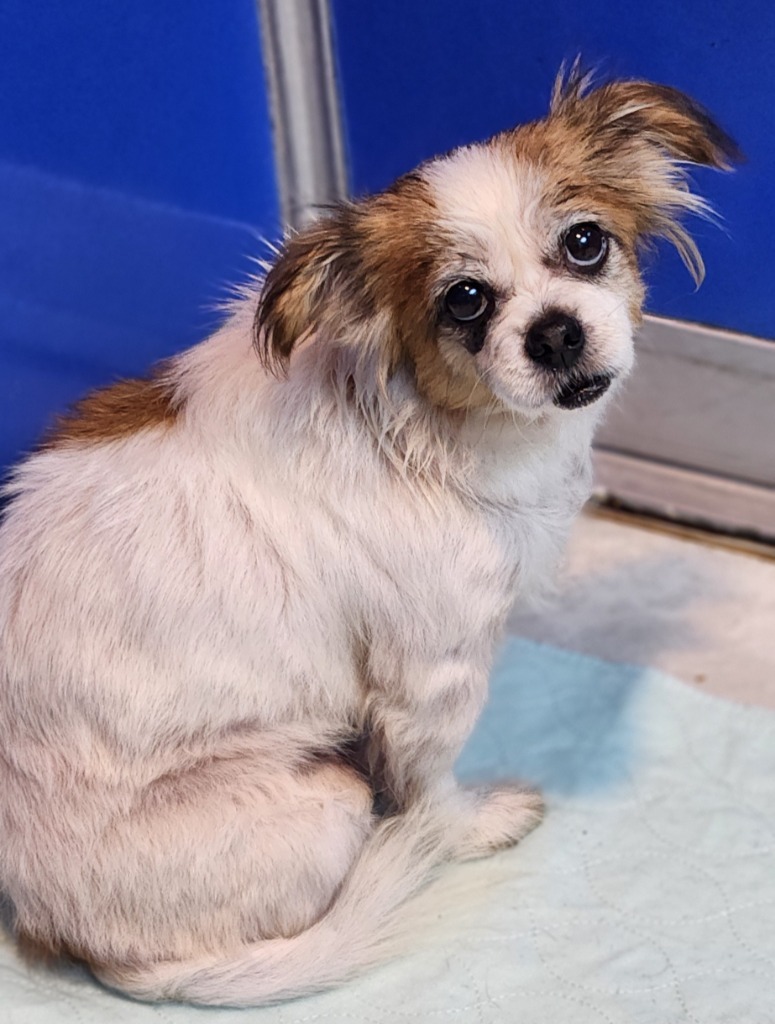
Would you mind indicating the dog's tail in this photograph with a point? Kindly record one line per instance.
(366, 924)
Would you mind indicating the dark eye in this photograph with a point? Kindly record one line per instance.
(586, 246)
(466, 301)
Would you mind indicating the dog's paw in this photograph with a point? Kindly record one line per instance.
(499, 817)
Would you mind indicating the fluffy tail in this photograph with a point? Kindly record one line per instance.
(365, 925)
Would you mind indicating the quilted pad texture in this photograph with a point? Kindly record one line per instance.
(646, 897)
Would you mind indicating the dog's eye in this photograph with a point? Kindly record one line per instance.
(466, 301)
(586, 246)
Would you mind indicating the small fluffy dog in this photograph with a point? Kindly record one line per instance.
(248, 605)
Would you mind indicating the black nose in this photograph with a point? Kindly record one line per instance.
(555, 341)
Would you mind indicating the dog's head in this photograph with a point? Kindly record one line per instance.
(505, 272)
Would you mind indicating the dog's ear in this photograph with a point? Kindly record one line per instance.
(636, 138)
(645, 114)
(313, 279)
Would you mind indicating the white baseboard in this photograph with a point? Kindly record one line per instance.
(692, 435)
(698, 498)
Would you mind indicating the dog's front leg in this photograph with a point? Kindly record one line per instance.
(420, 715)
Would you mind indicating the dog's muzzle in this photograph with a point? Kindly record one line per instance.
(580, 391)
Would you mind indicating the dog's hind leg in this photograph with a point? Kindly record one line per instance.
(206, 860)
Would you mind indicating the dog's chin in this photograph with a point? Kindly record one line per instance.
(575, 392)
(579, 392)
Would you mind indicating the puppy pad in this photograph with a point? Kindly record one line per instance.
(646, 897)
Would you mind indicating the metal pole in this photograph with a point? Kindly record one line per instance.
(308, 139)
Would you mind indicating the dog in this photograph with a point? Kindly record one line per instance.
(248, 605)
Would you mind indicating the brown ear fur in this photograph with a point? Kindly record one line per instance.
(655, 114)
(370, 256)
(310, 266)
(624, 144)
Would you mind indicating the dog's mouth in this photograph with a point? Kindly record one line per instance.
(581, 391)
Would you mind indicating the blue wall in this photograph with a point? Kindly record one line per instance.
(163, 99)
(135, 171)
(421, 76)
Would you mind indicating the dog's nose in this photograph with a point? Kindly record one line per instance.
(555, 341)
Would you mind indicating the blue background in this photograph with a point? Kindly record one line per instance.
(136, 169)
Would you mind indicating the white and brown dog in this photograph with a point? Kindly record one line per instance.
(248, 606)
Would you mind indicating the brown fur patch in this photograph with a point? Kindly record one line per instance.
(120, 410)
(368, 258)
(651, 114)
(365, 258)
(406, 247)
(614, 149)
(377, 256)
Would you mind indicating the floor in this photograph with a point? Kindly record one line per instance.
(687, 604)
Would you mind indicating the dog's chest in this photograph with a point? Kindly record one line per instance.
(458, 569)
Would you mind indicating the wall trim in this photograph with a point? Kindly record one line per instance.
(703, 500)
(701, 398)
(692, 436)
